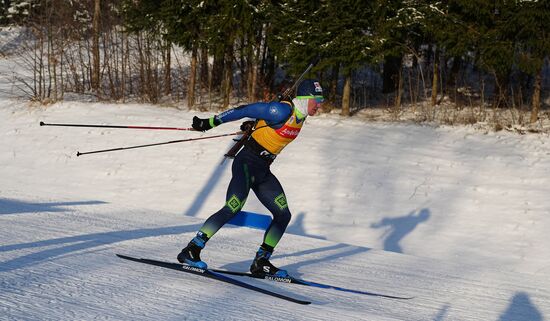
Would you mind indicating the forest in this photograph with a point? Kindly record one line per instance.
(490, 56)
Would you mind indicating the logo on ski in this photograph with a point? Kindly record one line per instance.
(278, 279)
(192, 268)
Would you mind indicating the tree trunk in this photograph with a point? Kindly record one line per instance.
(227, 76)
(346, 95)
(95, 45)
(251, 78)
(391, 74)
(399, 87)
(192, 79)
(253, 95)
(168, 70)
(217, 71)
(123, 67)
(204, 66)
(535, 101)
(435, 78)
(333, 87)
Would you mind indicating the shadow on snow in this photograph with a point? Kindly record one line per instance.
(71, 244)
(521, 308)
(10, 206)
(399, 227)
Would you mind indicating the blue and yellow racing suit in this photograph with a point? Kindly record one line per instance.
(278, 124)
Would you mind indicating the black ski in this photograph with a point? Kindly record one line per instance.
(212, 275)
(309, 283)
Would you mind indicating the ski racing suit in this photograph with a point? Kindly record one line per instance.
(278, 125)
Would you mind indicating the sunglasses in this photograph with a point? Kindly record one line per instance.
(318, 99)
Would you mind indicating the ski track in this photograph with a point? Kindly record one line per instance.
(83, 279)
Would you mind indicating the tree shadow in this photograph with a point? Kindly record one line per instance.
(521, 308)
(70, 244)
(10, 206)
(399, 227)
(297, 227)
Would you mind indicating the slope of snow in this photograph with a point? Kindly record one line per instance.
(454, 217)
(58, 263)
(433, 192)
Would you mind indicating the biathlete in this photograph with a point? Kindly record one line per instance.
(277, 125)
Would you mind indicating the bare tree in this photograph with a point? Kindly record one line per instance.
(95, 45)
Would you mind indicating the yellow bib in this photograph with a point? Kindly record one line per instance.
(274, 140)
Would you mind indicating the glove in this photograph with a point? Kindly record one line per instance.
(247, 125)
(204, 124)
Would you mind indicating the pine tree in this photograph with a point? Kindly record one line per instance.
(478, 28)
(530, 23)
(4, 6)
(339, 32)
(401, 29)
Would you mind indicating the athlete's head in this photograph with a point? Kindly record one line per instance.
(309, 97)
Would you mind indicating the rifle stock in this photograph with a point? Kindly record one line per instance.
(238, 145)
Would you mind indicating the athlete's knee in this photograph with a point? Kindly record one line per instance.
(224, 214)
(283, 218)
(234, 204)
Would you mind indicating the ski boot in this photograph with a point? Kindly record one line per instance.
(262, 266)
(190, 254)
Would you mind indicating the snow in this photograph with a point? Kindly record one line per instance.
(454, 216)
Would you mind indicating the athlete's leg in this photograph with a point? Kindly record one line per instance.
(270, 192)
(237, 192)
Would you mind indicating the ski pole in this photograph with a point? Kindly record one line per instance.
(156, 144)
(116, 126)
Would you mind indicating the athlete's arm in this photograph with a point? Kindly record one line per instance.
(272, 113)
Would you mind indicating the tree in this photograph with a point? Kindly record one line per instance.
(96, 32)
(339, 32)
(478, 28)
(401, 28)
(185, 22)
(4, 6)
(530, 23)
(144, 18)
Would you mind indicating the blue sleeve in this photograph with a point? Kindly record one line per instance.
(272, 113)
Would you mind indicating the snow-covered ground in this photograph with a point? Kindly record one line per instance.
(455, 217)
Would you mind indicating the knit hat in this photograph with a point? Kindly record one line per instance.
(309, 88)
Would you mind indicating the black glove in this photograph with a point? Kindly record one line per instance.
(247, 125)
(204, 124)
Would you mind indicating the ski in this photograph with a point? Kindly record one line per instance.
(309, 283)
(212, 275)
